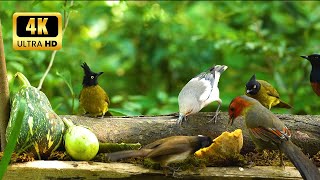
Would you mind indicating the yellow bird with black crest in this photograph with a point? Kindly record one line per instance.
(265, 93)
(94, 101)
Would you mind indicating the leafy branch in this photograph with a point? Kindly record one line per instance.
(53, 54)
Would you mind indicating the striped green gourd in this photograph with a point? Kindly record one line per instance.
(42, 129)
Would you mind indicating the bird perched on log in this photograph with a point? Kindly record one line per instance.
(167, 150)
(94, 101)
(314, 59)
(265, 93)
(267, 131)
(199, 92)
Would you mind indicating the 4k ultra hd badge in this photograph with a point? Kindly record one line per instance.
(37, 31)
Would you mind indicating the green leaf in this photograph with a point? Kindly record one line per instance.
(12, 141)
(66, 77)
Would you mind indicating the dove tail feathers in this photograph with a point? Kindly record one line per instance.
(219, 69)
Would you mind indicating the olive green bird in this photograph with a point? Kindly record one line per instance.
(267, 131)
(94, 101)
(265, 93)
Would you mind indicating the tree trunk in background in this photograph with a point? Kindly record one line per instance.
(143, 129)
(4, 93)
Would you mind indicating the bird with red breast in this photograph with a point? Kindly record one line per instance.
(314, 59)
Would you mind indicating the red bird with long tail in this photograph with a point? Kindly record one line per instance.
(267, 131)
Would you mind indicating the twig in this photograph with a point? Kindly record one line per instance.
(4, 93)
(55, 51)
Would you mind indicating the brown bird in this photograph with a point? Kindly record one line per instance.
(94, 101)
(167, 150)
(315, 72)
(265, 93)
(267, 131)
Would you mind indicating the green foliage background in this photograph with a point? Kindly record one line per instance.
(149, 50)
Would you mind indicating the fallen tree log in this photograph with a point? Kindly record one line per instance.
(146, 129)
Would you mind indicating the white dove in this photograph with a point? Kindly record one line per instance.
(199, 92)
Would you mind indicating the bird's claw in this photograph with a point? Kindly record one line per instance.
(173, 170)
(179, 121)
(215, 117)
(250, 164)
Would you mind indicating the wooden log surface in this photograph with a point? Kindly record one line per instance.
(305, 129)
(97, 170)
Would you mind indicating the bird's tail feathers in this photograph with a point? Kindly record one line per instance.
(283, 105)
(305, 166)
(127, 154)
(218, 69)
(108, 113)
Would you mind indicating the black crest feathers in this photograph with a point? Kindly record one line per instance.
(86, 69)
(90, 78)
(253, 78)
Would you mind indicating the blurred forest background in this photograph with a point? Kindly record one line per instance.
(150, 50)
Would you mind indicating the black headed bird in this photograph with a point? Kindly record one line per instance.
(167, 150)
(94, 101)
(315, 72)
(265, 93)
(199, 92)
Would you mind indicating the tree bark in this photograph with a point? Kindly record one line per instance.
(4, 94)
(146, 129)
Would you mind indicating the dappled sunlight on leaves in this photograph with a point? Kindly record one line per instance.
(149, 50)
